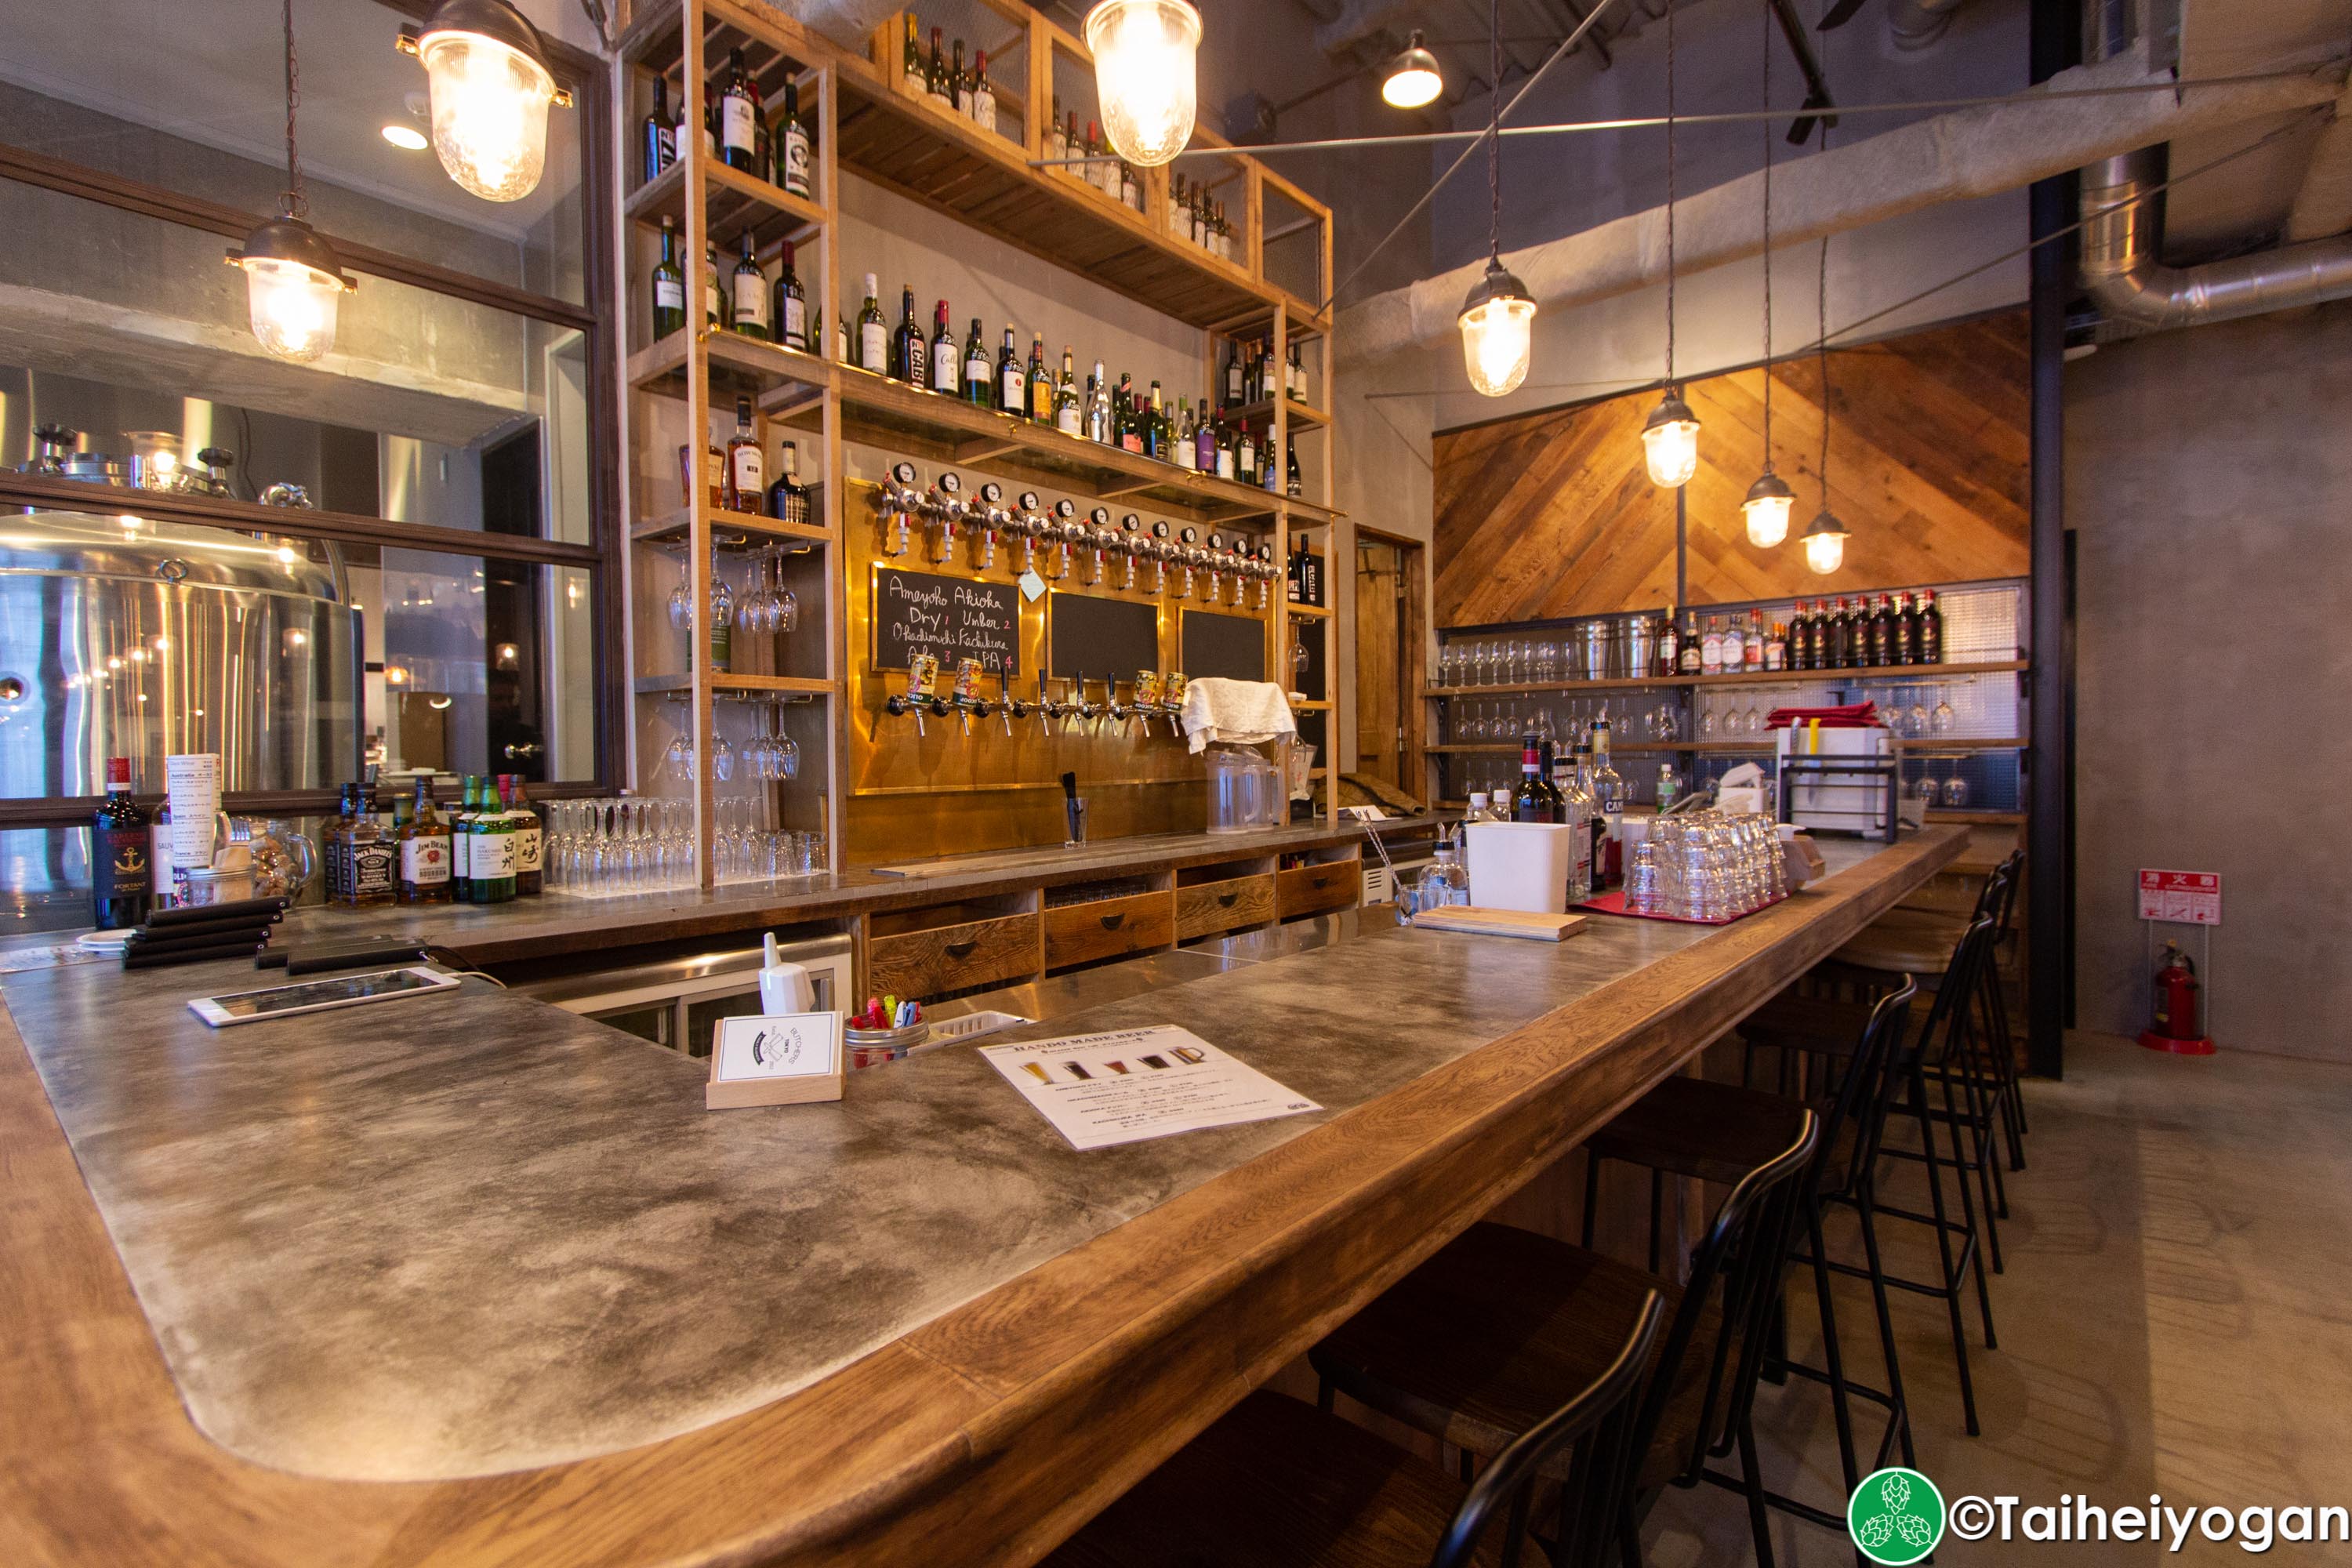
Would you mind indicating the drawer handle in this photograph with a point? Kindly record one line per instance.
(1227, 900)
(1112, 922)
(1322, 881)
(960, 950)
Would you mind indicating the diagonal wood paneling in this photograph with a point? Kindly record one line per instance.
(1553, 514)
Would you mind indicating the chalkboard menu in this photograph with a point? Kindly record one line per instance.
(1100, 637)
(952, 618)
(1230, 646)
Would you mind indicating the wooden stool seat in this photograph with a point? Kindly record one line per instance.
(1276, 1483)
(1897, 950)
(1814, 1024)
(1499, 1329)
(1713, 1132)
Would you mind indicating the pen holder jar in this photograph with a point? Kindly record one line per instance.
(871, 1048)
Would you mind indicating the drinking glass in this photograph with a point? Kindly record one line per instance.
(1956, 789)
(1914, 718)
(1706, 718)
(681, 598)
(1940, 721)
(722, 758)
(722, 596)
(1754, 716)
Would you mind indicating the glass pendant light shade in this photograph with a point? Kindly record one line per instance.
(1413, 79)
(1144, 75)
(486, 72)
(294, 286)
(1497, 332)
(1766, 507)
(1670, 441)
(1824, 543)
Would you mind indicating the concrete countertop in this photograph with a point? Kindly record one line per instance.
(469, 1234)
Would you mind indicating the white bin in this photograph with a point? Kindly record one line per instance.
(1520, 865)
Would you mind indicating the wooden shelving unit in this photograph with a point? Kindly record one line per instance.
(1907, 672)
(862, 123)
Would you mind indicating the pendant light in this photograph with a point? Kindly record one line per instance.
(1670, 436)
(1769, 498)
(1498, 319)
(1145, 75)
(294, 281)
(1825, 536)
(485, 74)
(1413, 79)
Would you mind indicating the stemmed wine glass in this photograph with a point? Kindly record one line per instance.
(1956, 788)
(1915, 718)
(681, 598)
(1941, 721)
(722, 597)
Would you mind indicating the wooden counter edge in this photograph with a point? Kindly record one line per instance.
(983, 1435)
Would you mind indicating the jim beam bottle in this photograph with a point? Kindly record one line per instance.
(425, 852)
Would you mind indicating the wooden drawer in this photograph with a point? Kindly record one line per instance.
(1212, 906)
(1105, 928)
(1311, 890)
(951, 958)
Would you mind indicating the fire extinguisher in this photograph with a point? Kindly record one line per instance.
(2179, 1025)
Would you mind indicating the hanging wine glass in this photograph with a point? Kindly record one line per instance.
(681, 598)
(1956, 789)
(722, 597)
(1915, 718)
(1941, 721)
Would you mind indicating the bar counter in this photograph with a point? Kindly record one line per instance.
(468, 1279)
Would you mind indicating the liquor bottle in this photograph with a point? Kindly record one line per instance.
(1011, 385)
(983, 97)
(372, 856)
(1155, 428)
(669, 284)
(1732, 651)
(1608, 804)
(790, 310)
(747, 485)
(1291, 485)
(1068, 419)
(1098, 407)
(1234, 376)
(713, 313)
(1906, 628)
(940, 89)
(461, 840)
(330, 864)
(909, 350)
(1669, 644)
(946, 363)
(1751, 651)
(1575, 813)
(657, 149)
(873, 335)
(492, 856)
(121, 875)
(1294, 573)
(1847, 638)
(1931, 630)
(722, 636)
(738, 115)
(788, 499)
(1531, 802)
(959, 84)
(1800, 637)
(530, 841)
(747, 296)
(1882, 633)
(913, 80)
(424, 851)
(792, 158)
(1776, 647)
(1037, 392)
(979, 374)
(1711, 648)
(1689, 656)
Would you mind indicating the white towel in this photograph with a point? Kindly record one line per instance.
(1237, 712)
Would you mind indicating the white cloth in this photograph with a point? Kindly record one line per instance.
(1237, 712)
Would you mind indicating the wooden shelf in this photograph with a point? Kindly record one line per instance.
(1557, 687)
(1262, 413)
(1323, 706)
(673, 527)
(733, 201)
(1977, 819)
(792, 685)
(1763, 747)
(739, 367)
(1312, 612)
(1907, 672)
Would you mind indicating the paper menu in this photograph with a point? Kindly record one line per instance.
(1129, 1085)
(192, 783)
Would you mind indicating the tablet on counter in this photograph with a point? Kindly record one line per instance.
(318, 995)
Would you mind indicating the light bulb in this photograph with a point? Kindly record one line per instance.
(490, 100)
(1766, 507)
(292, 306)
(1498, 326)
(1145, 75)
(1412, 78)
(1669, 442)
(407, 138)
(1824, 543)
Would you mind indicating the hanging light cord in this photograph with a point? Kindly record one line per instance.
(1822, 326)
(292, 202)
(1670, 196)
(1766, 10)
(1494, 134)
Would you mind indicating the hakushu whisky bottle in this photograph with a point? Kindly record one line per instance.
(531, 840)
(121, 875)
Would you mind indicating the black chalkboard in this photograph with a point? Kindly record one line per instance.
(953, 618)
(1230, 646)
(1097, 637)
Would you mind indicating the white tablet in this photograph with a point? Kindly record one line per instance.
(318, 995)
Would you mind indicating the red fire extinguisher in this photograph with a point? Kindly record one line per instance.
(2179, 1025)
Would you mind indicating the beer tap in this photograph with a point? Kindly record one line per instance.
(1063, 529)
(1132, 543)
(1047, 708)
(1244, 567)
(1102, 538)
(1120, 713)
(945, 507)
(1084, 710)
(988, 517)
(923, 677)
(897, 499)
(1011, 707)
(1214, 563)
(1026, 525)
(1266, 571)
(1188, 555)
(1161, 552)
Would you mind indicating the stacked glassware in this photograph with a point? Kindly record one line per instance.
(1707, 866)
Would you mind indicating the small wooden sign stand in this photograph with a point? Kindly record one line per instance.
(783, 1059)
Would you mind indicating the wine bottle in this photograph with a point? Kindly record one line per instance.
(1038, 392)
(946, 362)
(1291, 485)
(792, 138)
(1234, 377)
(713, 313)
(1011, 386)
(941, 90)
(959, 84)
(669, 284)
(748, 295)
(1532, 800)
(1184, 447)
(122, 874)
(983, 97)
(1098, 407)
(913, 80)
(1155, 428)
(979, 382)
(738, 115)
(909, 350)
(1931, 629)
(790, 313)
(1068, 419)
(873, 337)
(657, 147)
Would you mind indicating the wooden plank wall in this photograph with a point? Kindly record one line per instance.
(1552, 514)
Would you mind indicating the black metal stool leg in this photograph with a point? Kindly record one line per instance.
(1865, 1210)
(1942, 1227)
(1841, 1405)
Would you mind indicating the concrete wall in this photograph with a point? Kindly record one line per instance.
(2207, 474)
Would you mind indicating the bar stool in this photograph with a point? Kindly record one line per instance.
(1826, 1031)
(1475, 1346)
(1998, 899)
(1711, 1132)
(1276, 1483)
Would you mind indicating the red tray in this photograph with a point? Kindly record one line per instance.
(1614, 904)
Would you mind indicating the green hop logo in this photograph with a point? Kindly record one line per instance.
(1895, 1516)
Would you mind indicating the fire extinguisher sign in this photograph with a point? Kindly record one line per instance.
(2183, 898)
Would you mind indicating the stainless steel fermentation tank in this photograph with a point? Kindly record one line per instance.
(122, 635)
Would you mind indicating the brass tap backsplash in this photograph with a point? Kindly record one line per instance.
(944, 793)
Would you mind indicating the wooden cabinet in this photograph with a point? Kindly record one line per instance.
(1313, 889)
(1209, 908)
(1106, 928)
(923, 964)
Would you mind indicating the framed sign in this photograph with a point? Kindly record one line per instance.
(950, 618)
(777, 1059)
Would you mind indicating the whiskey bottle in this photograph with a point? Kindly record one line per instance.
(462, 823)
(788, 499)
(873, 337)
(531, 840)
(792, 158)
(1690, 656)
(747, 485)
(790, 313)
(122, 877)
(1669, 644)
(739, 116)
(330, 839)
(669, 284)
(424, 841)
(947, 363)
(748, 295)
(656, 147)
(372, 856)
(909, 350)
